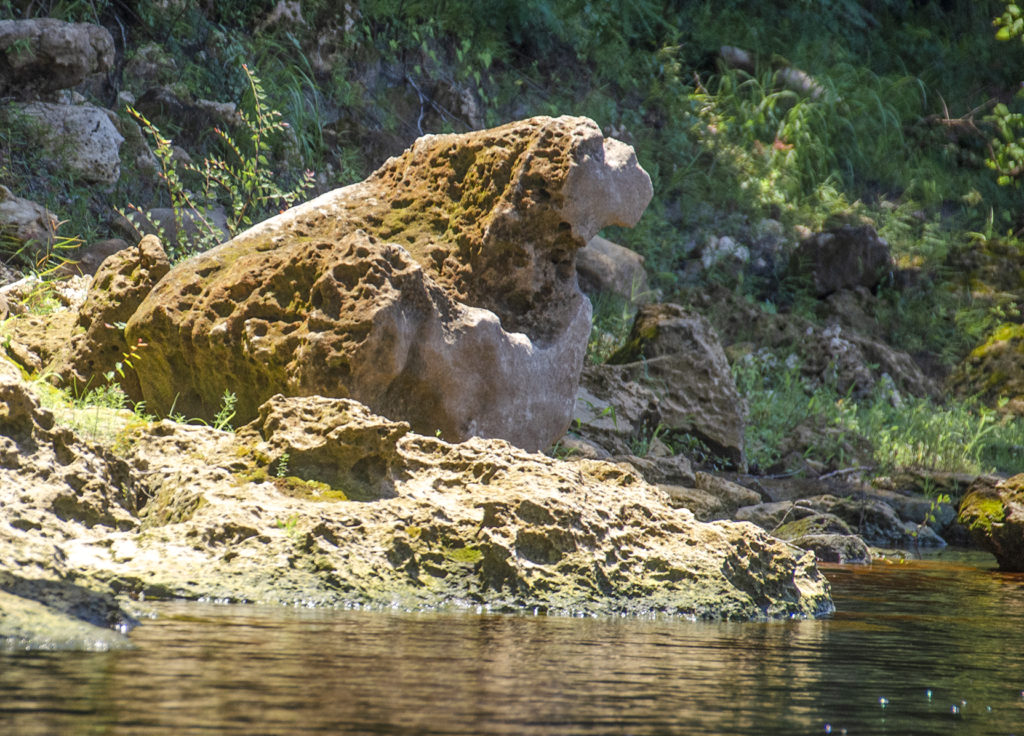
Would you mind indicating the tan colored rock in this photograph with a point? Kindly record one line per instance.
(710, 497)
(121, 283)
(674, 358)
(190, 511)
(26, 227)
(35, 341)
(604, 266)
(732, 495)
(76, 348)
(82, 137)
(45, 55)
(441, 291)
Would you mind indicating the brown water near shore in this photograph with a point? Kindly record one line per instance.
(922, 647)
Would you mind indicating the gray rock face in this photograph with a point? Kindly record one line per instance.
(844, 258)
(441, 291)
(321, 502)
(870, 518)
(672, 374)
(45, 55)
(82, 137)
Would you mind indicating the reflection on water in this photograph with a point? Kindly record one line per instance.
(935, 647)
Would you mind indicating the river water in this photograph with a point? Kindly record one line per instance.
(924, 647)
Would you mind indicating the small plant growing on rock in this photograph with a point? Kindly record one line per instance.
(282, 465)
(226, 413)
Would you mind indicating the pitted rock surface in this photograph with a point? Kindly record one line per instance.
(264, 515)
(440, 291)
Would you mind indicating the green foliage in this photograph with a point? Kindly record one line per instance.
(282, 465)
(613, 317)
(887, 432)
(1006, 149)
(226, 413)
(243, 180)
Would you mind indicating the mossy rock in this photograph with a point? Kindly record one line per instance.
(993, 512)
(994, 371)
(816, 524)
(308, 490)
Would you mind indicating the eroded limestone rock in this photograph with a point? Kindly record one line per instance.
(440, 291)
(264, 515)
(121, 283)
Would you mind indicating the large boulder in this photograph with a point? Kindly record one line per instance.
(440, 291)
(83, 138)
(45, 55)
(607, 267)
(84, 347)
(671, 376)
(98, 344)
(994, 371)
(993, 512)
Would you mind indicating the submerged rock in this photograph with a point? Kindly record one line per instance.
(440, 291)
(993, 512)
(321, 502)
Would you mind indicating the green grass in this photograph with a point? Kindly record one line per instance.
(883, 431)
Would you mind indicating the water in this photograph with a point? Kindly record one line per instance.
(933, 647)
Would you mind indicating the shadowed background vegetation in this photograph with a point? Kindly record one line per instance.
(898, 114)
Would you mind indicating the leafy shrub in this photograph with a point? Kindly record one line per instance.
(244, 181)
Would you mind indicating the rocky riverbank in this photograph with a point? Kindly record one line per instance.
(320, 502)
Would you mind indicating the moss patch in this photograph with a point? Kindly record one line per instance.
(465, 555)
(308, 490)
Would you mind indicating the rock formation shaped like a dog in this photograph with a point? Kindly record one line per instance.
(440, 291)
